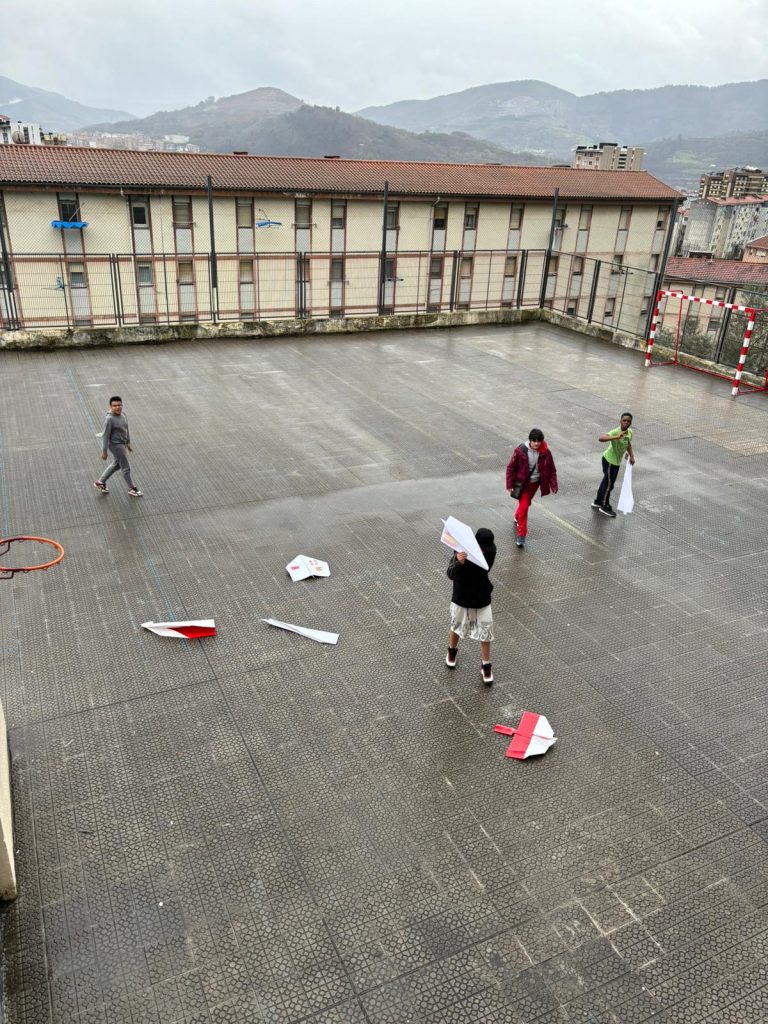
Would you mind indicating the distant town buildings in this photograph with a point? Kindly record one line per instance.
(609, 156)
(756, 251)
(25, 133)
(132, 140)
(735, 183)
(721, 228)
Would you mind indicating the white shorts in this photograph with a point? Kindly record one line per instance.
(472, 623)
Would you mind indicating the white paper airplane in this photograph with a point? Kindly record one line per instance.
(193, 629)
(626, 500)
(314, 634)
(459, 537)
(304, 566)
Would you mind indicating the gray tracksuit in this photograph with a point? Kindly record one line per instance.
(115, 439)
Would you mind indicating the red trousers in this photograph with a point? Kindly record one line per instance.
(521, 516)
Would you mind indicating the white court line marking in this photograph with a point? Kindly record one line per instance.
(573, 529)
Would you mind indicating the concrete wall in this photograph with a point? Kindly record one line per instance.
(7, 865)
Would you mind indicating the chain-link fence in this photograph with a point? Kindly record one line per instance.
(116, 289)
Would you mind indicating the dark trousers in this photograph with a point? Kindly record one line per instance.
(610, 472)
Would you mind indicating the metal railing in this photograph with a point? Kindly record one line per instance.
(113, 290)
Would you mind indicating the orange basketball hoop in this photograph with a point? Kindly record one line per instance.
(8, 571)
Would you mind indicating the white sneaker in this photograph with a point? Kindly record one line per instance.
(134, 492)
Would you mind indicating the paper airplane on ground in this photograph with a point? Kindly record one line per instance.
(320, 635)
(304, 566)
(626, 500)
(534, 735)
(190, 630)
(459, 536)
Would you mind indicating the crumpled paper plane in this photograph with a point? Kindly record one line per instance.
(534, 735)
(304, 566)
(320, 635)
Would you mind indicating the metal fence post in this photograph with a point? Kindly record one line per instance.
(593, 291)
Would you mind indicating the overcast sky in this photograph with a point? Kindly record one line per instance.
(147, 55)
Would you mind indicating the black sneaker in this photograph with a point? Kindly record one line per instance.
(607, 511)
(486, 673)
(596, 504)
(450, 658)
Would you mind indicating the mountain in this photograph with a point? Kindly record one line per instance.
(216, 122)
(51, 111)
(535, 115)
(274, 123)
(680, 162)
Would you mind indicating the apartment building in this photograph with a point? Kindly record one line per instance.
(718, 280)
(721, 228)
(108, 233)
(756, 251)
(736, 183)
(25, 133)
(609, 156)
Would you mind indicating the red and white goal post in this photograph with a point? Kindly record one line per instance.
(749, 312)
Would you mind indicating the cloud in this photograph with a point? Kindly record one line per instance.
(147, 55)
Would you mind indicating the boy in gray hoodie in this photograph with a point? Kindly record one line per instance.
(116, 439)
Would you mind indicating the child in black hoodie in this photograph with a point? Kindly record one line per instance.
(471, 604)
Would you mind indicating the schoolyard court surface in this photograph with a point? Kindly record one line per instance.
(258, 828)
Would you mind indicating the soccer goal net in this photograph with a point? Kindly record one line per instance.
(723, 339)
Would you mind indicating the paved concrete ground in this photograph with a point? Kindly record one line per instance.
(258, 828)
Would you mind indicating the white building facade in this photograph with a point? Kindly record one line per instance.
(95, 237)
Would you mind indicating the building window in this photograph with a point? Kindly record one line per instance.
(624, 218)
(661, 218)
(139, 214)
(617, 266)
(244, 213)
(69, 208)
(338, 214)
(182, 212)
(470, 217)
(337, 271)
(393, 213)
(144, 275)
(245, 272)
(510, 266)
(515, 226)
(610, 305)
(440, 218)
(390, 267)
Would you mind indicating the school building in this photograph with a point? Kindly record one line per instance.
(94, 238)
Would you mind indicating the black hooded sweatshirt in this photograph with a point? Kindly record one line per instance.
(471, 585)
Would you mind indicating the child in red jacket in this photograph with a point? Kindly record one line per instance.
(530, 467)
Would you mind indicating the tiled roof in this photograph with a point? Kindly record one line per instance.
(759, 243)
(70, 167)
(726, 272)
(761, 197)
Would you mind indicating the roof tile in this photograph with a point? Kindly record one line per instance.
(73, 167)
(726, 272)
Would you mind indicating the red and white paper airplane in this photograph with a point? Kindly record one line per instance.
(191, 630)
(534, 735)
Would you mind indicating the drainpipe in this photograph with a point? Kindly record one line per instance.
(383, 257)
(548, 255)
(659, 279)
(214, 266)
